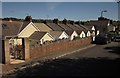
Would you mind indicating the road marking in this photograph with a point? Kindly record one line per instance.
(75, 51)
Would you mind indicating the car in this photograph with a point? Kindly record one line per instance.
(117, 39)
(112, 36)
(102, 39)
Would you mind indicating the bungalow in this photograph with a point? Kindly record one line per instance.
(91, 28)
(42, 27)
(41, 37)
(54, 27)
(79, 31)
(65, 27)
(69, 31)
(86, 30)
(59, 35)
(27, 28)
(10, 31)
(72, 34)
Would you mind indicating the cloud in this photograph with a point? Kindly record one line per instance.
(53, 5)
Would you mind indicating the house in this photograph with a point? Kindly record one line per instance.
(10, 31)
(27, 28)
(41, 37)
(42, 27)
(79, 31)
(88, 33)
(65, 27)
(59, 35)
(71, 34)
(117, 26)
(86, 30)
(54, 27)
(101, 26)
(91, 29)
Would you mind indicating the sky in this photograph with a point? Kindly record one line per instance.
(59, 0)
(60, 10)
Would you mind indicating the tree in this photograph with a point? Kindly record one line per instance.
(65, 21)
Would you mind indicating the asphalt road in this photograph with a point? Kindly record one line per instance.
(97, 61)
(110, 51)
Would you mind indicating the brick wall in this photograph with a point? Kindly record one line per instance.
(59, 46)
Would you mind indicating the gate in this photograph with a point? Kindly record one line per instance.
(16, 47)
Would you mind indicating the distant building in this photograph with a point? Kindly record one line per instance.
(103, 26)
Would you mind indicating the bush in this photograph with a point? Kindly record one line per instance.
(76, 38)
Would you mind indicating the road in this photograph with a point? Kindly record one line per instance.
(110, 51)
(97, 61)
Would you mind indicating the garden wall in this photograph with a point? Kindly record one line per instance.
(59, 46)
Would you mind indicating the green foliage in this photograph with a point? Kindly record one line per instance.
(105, 30)
(13, 19)
(76, 38)
(82, 23)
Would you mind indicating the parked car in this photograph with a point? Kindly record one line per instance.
(103, 39)
(117, 39)
(112, 36)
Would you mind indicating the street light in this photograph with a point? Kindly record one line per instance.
(102, 12)
(118, 25)
(118, 10)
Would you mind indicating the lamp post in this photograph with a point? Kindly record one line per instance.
(118, 10)
(118, 25)
(102, 12)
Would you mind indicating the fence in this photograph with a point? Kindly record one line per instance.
(59, 46)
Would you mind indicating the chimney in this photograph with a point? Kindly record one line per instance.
(55, 21)
(64, 21)
(28, 18)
